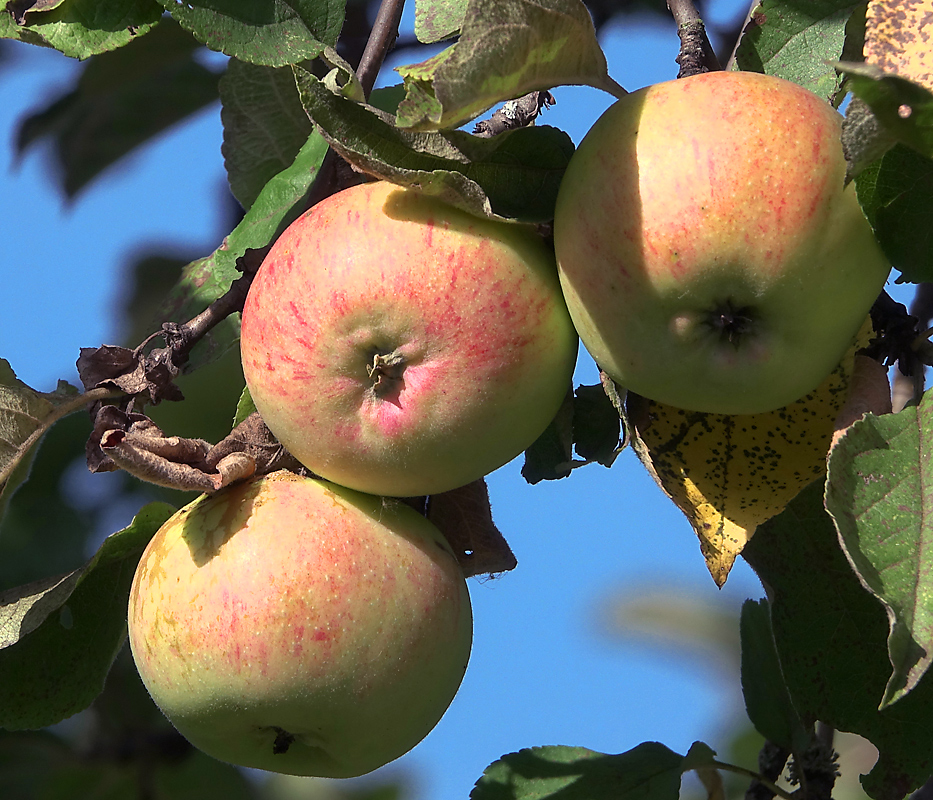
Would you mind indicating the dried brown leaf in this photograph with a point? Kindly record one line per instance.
(464, 516)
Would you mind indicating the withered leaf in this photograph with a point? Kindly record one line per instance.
(253, 438)
(130, 371)
(464, 516)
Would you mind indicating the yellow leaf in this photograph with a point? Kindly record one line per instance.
(731, 473)
(899, 39)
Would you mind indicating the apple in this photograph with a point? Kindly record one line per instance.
(297, 626)
(710, 255)
(399, 346)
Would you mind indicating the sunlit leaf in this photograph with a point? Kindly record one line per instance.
(277, 205)
(82, 28)
(436, 20)
(797, 41)
(273, 33)
(897, 38)
(506, 49)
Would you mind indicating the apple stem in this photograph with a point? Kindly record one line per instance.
(696, 53)
(386, 372)
(381, 40)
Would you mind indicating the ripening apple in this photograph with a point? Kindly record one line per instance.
(399, 346)
(709, 253)
(300, 627)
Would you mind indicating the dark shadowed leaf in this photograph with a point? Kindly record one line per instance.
(25, 415)
(896, 193)
(506, 49)
(516, 174)
(798, 42)
(464, 516)
(596, 425)
(767, 700)
(60, 636)
(82, 28)
(264, 126)
(40, 764)
(122, 100)
(272, 33)
(876, 495)
(830, 635)
(550, 457)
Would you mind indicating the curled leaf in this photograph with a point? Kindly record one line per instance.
(252, 438)
(516, 174)
(130, 371)
(25, 416)
(507, 48)
(464, 516)
(138, 446)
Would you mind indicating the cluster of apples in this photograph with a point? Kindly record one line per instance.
(397, 347)
(707, 253)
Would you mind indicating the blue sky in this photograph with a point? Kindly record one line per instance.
(541, 671)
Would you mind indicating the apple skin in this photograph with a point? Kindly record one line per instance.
(709, 255)
(300, 627)
(467, 314)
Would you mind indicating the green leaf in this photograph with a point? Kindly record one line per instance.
(121, 101)
(279, 203)
(596, 425)
(25, 415)
(39, 533)
(82, 28)
(903, 107)
(876, 494)
(514, 175)
(507, 48)
(767, 700)
(272, 33)
(58, 637)
(264, 126)
(550, 457)
(830, 635)
(245, 407)
(436, 20)
(203, 281)
(798, 42)
(896, 193)
(649, 771)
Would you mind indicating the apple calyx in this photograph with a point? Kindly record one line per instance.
(283, 740)
(385, 372)
(731, 322)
